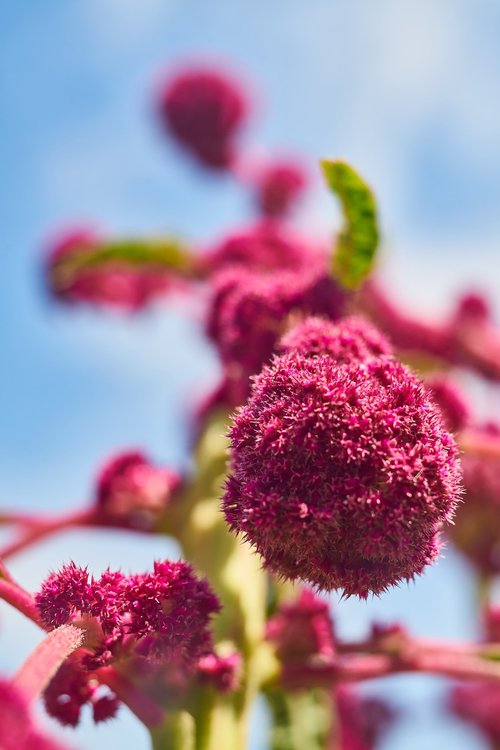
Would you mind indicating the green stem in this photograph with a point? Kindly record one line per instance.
(175, 733)
(236, 574)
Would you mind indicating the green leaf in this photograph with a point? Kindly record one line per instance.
(359, 237)
(164, 254)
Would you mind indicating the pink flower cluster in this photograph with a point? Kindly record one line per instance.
(342, 473)
(161, 615)
(132, 492)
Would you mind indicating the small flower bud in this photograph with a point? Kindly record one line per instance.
(131, 492)
(302, 629)
(278, 188)
(204, 109)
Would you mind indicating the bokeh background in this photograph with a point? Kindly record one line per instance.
(406, 90)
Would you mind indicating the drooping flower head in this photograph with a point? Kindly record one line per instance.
(132, 492)
(350, 340)
(279, 187)
(204, 109)
(113, 285)
(342, 474)
(17, 728)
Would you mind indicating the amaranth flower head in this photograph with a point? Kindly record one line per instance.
(204, 110)
(341, 474)
(163, 615)
(348, 340)
(132, 492)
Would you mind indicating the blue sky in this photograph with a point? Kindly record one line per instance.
(406, 90)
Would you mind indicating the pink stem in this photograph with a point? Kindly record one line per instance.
(480, 444)
(41, 665)
(18, 598)
(145, 709)
(41, 528)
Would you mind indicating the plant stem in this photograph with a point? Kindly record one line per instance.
(41, 528)
(148, 712)
(42, 664)
(20, 599)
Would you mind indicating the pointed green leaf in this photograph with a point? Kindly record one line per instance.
(359, 236)
(163, 253)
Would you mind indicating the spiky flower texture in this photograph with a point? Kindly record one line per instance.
(342, 472)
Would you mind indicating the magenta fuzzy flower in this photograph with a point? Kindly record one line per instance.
(302, 629)
(341, 475)
(350, 340)
(264, 247)
(250, 311)
(17, 729)
(278, 188)
(204, 110)
(113, 285)
(173, 608)
(165, 615)
(132, 492)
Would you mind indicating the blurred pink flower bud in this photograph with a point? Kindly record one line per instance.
(204, 109)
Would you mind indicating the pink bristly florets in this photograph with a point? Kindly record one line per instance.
(204, 110)
(170, 606)
(17, 730)
(279, 187)
(363, 720)
(263, 247)
(132, 492)
(113, 285)
(350, 340)
(341, 474)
